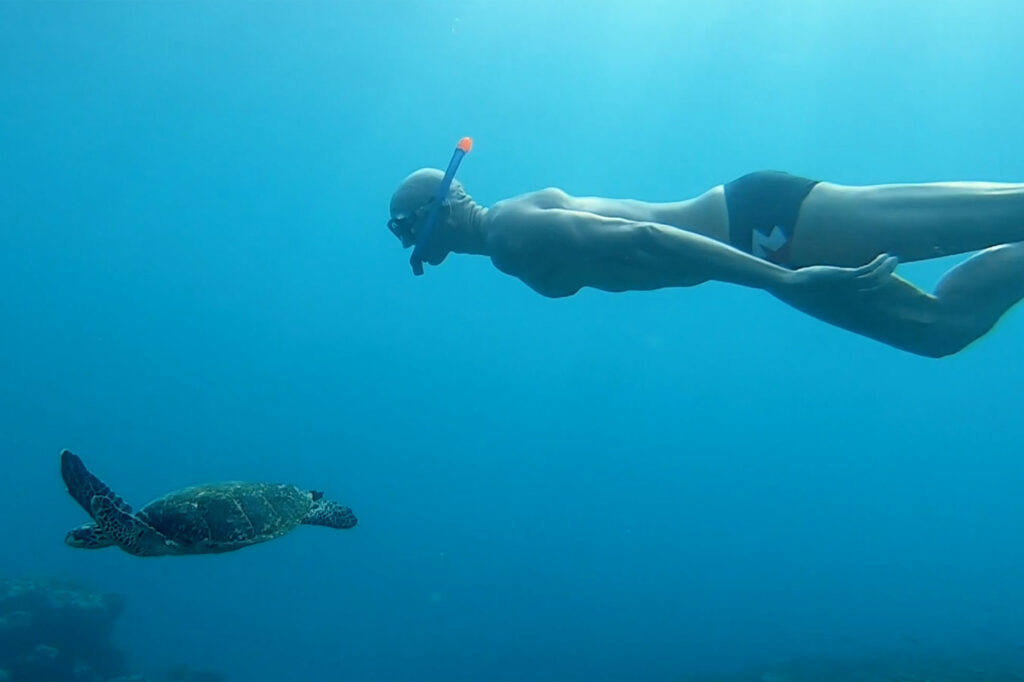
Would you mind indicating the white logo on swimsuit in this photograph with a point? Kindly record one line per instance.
(762, 245)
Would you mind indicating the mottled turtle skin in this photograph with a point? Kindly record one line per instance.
(204, 519)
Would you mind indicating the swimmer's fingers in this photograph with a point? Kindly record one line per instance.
(878, 264)
(875, 274)
(820, 278)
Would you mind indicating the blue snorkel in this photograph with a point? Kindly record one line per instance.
(423, 234)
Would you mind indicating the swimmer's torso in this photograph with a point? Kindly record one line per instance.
(529, 245)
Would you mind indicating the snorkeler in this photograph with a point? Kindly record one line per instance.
(828, 250)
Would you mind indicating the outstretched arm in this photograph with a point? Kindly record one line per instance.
(618, 255)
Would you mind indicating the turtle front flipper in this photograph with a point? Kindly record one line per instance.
(83, 486)
(123, 528)
(331, 514)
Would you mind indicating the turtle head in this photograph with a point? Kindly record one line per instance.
(87, 536)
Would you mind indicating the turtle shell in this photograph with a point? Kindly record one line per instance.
(221, 517)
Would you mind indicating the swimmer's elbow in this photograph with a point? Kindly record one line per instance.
(659, 245)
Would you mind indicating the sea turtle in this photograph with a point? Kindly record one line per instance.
(205, 519)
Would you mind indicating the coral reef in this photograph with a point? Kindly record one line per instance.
(57, 630)
(54, 629)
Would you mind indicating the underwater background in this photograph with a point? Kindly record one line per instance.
(196, 284)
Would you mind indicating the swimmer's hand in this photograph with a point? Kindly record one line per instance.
(823, 279)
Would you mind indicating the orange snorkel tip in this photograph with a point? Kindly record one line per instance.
(465, 144)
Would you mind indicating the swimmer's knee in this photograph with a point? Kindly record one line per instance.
(950, 339)
(944, 335)
(941, 350)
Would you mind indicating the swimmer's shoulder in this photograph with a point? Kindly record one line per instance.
(547, 198)
(518, 235)
(519, 220)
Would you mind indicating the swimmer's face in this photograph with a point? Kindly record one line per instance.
(411, 202)
(404, 228)
(405, 225)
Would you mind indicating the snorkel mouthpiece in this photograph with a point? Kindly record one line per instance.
(464, 146)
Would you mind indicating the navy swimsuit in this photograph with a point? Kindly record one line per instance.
(763, 208)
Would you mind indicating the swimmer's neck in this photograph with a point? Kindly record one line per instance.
(466, 229)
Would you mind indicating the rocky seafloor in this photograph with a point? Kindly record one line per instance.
(59, 630)
(53, 629)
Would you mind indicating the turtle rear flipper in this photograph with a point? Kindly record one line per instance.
(331, 514)
(84, 486)
(88, 536)
(123, 528)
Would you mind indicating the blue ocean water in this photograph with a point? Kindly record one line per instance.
(197, 285)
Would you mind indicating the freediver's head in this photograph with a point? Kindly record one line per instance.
(411, 202)
(422, 201)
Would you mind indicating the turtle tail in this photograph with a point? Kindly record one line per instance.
(330, 514)
(83, 486)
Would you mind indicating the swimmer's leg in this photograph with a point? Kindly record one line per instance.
(967, 303)
(849, 225)
(976, 293)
